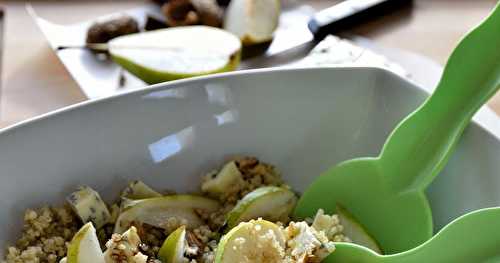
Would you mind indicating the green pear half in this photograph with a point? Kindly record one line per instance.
(253, 21)
(84, 247)
(175, 53)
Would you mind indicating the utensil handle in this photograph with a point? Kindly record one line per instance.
(350, 13)
(420, 146)
(470, 238)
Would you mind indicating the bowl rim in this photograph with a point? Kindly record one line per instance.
(482, 123)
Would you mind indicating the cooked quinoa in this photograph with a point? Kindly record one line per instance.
(48, 230)
(45, 234)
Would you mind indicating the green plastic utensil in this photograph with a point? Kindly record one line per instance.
(472, 238)
(386, 193)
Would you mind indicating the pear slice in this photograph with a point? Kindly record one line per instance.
(269, 202)
(84, 247)
(139, 190)
(177, 52)
(254, 241)
(355, 231)
(228, 181)
(253, 21)
(172, 250)
(157, 211)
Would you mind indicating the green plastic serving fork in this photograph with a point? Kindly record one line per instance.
(386, 194)
(472, 238)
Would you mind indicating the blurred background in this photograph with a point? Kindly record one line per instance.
(35, 81)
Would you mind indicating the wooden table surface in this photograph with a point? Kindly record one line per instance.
(35, 82)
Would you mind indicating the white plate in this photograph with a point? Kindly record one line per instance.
(301, 120)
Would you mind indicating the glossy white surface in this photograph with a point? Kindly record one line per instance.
(301, 120)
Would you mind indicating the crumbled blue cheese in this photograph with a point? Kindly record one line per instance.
(305, 244)
(330, 225)
(334, 51)
(89, 206)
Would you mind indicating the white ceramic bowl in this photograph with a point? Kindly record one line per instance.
(301, 120)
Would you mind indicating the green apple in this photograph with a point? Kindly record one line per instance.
(253, 21)
(172, 250)
(269, 202)
(178, 52)
(84, 247)
(156, 211)
(355, 231)
(254, 241)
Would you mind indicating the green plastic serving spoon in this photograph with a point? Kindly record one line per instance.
(472, 238)
(386, 194)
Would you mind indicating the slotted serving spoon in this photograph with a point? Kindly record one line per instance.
(472, 238)
(386, 193)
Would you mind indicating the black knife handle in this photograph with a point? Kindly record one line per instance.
(350, 13)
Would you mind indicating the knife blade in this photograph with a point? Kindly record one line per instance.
(295, 43)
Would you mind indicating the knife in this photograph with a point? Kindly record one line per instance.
(332, 20)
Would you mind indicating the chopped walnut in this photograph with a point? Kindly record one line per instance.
(209, 12)
(180, 13)
(103, 31)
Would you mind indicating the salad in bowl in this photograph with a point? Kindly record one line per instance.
(241, 213)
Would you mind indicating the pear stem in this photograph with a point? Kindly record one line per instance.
(94, 47)
(105, 47)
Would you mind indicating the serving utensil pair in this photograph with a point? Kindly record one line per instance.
(386, 193)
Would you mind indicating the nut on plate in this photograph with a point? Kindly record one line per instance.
(105, 30)
(209, 11)
(180, 13)
(191, 12)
